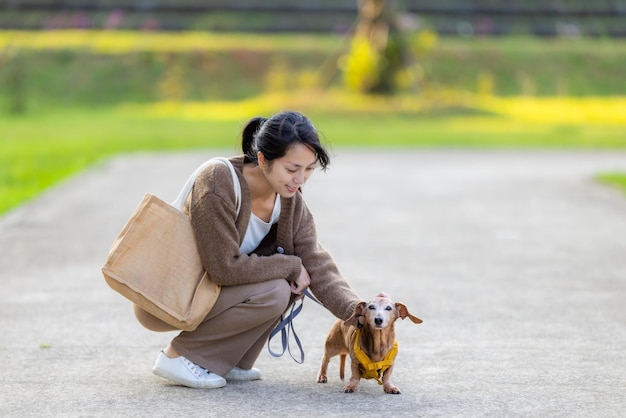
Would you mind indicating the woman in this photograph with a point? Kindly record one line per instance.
(263, 259)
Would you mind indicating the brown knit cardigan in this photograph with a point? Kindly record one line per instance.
(219, 233)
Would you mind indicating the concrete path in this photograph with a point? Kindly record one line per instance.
(516, 262)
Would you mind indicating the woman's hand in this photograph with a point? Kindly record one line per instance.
(302, 282)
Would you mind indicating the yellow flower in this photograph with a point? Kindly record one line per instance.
(559, 110)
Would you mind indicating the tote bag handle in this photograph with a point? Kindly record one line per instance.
(179, 203)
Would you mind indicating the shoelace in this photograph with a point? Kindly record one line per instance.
(194, 368)
(285, 327)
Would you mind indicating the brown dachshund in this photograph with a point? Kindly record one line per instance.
(369, 338)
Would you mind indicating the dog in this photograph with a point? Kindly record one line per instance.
(369, 338)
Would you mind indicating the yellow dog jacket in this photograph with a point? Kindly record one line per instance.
(370, 369)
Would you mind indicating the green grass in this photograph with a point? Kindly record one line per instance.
(617, 180)
(236, 66)
(37, 151)
(530, 66)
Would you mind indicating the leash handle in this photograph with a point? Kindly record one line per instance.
(286, 328)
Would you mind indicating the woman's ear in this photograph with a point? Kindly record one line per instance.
(266, 166)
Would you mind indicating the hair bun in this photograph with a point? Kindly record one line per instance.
(247, 136)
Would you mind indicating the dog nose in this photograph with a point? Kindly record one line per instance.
(378, 321)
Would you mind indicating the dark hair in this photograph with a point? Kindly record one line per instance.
(273, 137)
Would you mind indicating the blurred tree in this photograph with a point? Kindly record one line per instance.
(379, 60)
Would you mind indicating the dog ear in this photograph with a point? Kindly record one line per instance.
(358, 311)
(403, 312)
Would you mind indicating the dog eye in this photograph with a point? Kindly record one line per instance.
(371, 307)
(388, 308)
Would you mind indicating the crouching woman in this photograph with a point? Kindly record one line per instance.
(263, 258)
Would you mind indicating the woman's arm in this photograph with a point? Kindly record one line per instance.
(327, 283)
(213, 217)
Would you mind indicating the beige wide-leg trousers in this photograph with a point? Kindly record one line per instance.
(235, 330)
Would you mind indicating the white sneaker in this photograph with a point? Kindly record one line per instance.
(186, 373)
(243, 375)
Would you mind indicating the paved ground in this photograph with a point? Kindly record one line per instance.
(516, 261)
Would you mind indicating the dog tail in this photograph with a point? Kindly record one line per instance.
(342, 365)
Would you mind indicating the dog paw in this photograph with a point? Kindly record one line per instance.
(322, 379)
(393, 390)
(349, 389)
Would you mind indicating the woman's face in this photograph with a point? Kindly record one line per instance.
(290, 172)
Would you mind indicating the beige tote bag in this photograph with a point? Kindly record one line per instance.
(154, 261)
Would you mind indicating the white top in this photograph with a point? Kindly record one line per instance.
(258, 229)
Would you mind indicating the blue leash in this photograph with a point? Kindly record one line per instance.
(285, 327)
